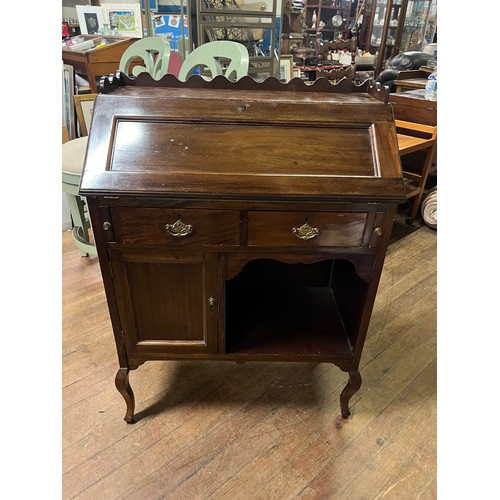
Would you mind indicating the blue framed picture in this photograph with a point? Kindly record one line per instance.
(153, 5)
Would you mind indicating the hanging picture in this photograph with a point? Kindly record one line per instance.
(153, 5)
(126, 18)
(84, 106)
(90, 19)
(170, 26)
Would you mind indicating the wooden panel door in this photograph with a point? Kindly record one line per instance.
(167, 302)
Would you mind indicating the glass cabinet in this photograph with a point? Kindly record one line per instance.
(392, 26)
(383, 22)
(419, 25)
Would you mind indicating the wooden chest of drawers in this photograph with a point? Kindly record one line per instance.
(241, 221)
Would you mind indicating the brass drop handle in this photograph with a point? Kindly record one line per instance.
(179, 229)
(211, 303)
(305, 232)
(106, 226)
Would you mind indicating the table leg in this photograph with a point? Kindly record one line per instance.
(123, 386)
(349, 390)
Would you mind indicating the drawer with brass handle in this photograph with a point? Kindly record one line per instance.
(170, 226)
(334, 229)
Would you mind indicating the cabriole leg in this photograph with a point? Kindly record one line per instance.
(123, 386)
(349, 390)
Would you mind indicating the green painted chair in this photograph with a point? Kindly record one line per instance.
(155, 53)
(73, 155)
(208, 56)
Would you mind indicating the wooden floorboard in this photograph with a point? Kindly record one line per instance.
(259, 430)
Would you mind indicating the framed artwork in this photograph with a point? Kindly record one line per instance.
(68, 107)
(153, 5)
(84, 106)
(90, 19)
(127, 18)
(286, 68)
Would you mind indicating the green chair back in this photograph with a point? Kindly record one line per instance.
(209, 55)
(155, 53)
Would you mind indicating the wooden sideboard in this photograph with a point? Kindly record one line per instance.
(241, 221)
(95, 62)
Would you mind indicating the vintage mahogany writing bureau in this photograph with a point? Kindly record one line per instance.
(241, 221)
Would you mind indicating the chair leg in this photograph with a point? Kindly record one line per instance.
(81, 235)
(423, 180)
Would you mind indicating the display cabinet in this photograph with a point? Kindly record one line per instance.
(393, 26)
(381, 29)
(218, 241)
(419, 25)
(328, 18)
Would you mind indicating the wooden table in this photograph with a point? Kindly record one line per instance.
(410, 84)
(218, 240)
(93, 63)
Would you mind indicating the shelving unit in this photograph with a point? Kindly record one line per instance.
(248, 23)
(336, 14)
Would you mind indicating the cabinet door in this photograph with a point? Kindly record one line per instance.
(167, 302)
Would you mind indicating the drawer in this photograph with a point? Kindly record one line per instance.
(176, 226)
(333, 229)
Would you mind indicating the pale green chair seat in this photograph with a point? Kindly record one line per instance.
(73, 155)
(155, 53)
(208, 56)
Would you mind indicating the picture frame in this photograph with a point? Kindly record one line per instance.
(153, 5)
(90, 18)
(126, 17)
(286, 68)
(68, 105)
(84, 106)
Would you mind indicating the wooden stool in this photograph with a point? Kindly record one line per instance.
(73, 155)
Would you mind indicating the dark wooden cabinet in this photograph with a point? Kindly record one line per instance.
(241, 221)
(164, 301)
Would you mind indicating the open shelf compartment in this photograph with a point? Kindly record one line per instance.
(281, 309)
